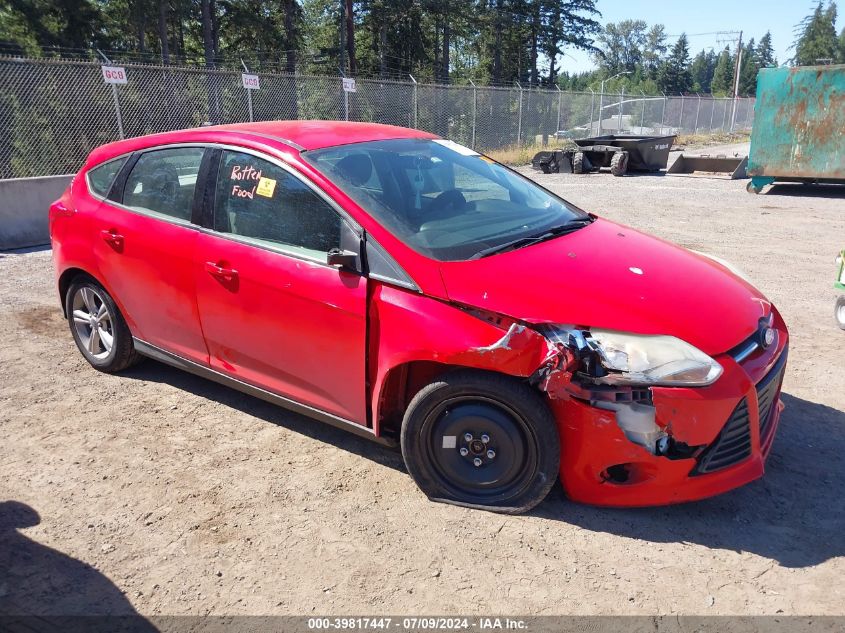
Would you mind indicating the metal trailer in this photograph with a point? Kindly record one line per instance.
(799, 126)
(622, 153)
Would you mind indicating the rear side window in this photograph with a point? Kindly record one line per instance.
(262, 201)
(163, 181)
(101, 178)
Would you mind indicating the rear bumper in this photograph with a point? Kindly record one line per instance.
(592, 442)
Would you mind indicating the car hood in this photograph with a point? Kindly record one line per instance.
(610, 276)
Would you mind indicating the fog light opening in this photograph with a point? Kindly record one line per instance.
(617, 474)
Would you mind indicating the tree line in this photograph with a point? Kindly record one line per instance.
(491, 41)
(644, 61)
(443, 41)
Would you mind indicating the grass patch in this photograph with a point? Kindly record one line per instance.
(708, 140)
(516, 155)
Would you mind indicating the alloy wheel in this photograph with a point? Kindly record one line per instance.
(93, 322)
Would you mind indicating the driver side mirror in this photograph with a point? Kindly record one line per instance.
(342, 259)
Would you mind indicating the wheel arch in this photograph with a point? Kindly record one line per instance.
(67, 277)
(398, 387)
(414, 338)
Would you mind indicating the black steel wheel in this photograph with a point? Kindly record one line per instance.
(481, 440)
(98, 327)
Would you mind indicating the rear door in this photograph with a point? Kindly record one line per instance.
(144, 243)
(273, 312)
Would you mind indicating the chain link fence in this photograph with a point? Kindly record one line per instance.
(54, 112)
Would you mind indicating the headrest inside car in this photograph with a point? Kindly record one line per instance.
(356, 168)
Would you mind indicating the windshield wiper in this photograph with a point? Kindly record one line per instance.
(548, 234)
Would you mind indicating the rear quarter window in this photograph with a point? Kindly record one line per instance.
(100, 178)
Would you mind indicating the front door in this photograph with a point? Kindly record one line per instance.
(274, 314)
(144, 243)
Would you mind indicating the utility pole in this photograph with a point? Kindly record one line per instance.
(342, 66)
(729, 37)
(736, 79)
(350, 37)
(738, 65)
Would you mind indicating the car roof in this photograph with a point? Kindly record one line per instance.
(299, 135)
(318, 134)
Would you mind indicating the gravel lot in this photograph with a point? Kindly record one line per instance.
(163, 493)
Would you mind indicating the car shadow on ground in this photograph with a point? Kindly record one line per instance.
(155, 371)
(37, 580)
(793, 515)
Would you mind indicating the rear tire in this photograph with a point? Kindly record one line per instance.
(839, 311)
(619, 164)
(481, 440)
(579, 163)
(98, 327)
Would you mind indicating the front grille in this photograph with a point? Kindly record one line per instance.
(767, 391)
(731, 446)
(734, 441)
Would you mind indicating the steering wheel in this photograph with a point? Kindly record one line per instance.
(449, 198)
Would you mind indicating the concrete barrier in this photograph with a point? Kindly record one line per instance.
(24, 204)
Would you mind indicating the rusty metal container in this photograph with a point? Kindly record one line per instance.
(799, 126)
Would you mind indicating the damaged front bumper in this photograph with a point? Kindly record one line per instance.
(665, 445)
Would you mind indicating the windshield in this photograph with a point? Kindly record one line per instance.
(442, 199)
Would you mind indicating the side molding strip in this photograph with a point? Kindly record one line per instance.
(168, 358)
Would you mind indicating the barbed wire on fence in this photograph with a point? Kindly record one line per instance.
(54, 112)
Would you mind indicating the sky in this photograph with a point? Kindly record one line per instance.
(694, 17)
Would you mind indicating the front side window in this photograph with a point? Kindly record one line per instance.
(259, 200)
(444, 200)
(101, 178)
(163, 182)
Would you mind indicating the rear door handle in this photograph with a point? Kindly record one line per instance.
(112, 237)
(223, 272)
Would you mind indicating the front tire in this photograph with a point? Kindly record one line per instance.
(481, 440)
(98, 327)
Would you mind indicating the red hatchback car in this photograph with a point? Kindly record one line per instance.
(410, 290)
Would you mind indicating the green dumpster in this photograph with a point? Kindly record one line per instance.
(799, 126)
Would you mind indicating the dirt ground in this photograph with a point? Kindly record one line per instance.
(163, 493)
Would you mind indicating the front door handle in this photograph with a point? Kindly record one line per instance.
(223, 272)
(112, 237)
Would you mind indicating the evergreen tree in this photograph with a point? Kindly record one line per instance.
(817, 42)
(841, 48)
(765, 52)
(59, 23)
(749, 66)
(722, 84)
(674, 76)
(701, 71)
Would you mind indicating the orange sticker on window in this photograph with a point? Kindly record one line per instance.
(266, 187)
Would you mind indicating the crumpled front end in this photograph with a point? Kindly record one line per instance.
(630, 446)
